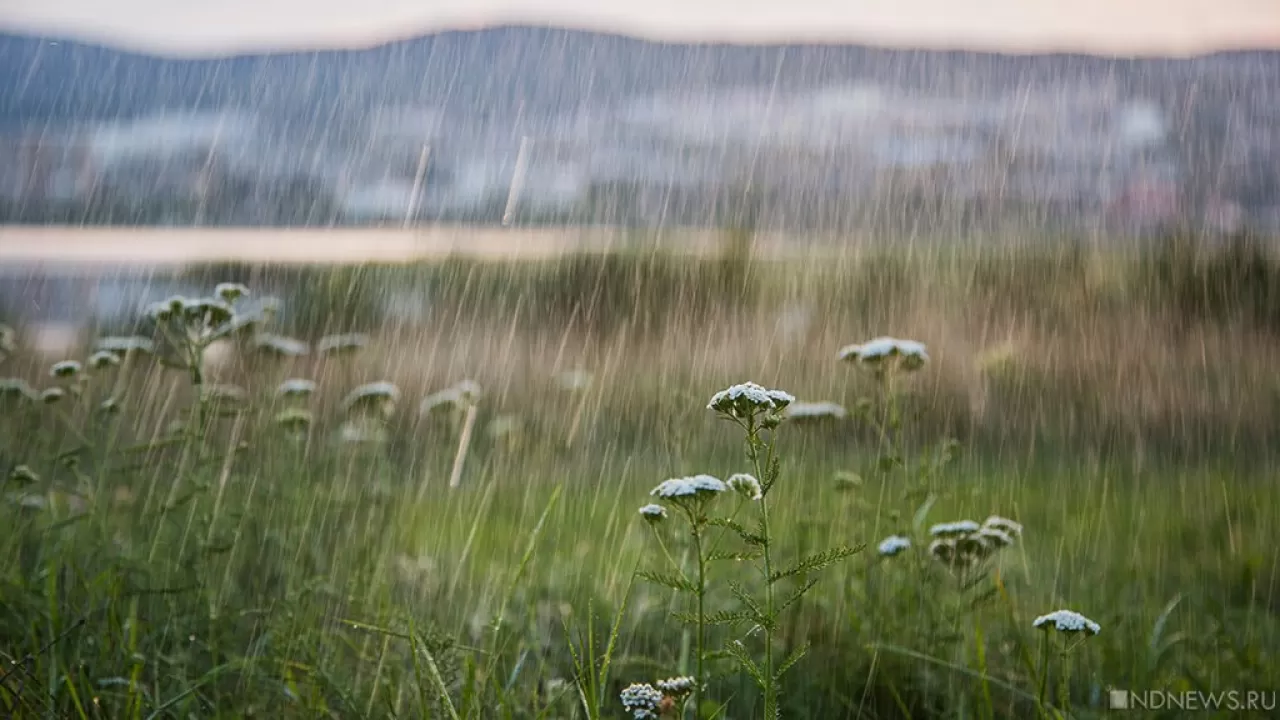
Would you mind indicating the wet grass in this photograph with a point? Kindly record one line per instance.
(233, 568)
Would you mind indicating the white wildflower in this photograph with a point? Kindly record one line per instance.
(294, 419)
(653, 512)
(747, 485)
(280, 345)
(101, 360)
(17, 388)
(974, 546)
(812, 411)
(335, 344)
(952, 529)
(1010, 527)
(381, 395)
(677, 687)
(24, 475)
(685, 487)
(110, 406)
(943, 550)
(52, 395)
(230, 292)
(642, 701)
(747, 399)
(893, 545)
(165, 310)
(1067, 621)
(912, 355)
(465, 394)
(65, 369)
(995, 537)
(122, 345)
(208, 312)
(296, 388)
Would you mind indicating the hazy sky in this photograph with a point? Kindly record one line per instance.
(1122, 26)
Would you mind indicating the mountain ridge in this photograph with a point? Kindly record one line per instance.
(500, 69)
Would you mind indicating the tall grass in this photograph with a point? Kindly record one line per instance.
(194, 555)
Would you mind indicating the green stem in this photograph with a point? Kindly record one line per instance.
(771, 684)
(702, 623)
(1044, 674)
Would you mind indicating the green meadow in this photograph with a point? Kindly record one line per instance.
(318, 508)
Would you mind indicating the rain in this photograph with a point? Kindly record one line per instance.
(539, 371)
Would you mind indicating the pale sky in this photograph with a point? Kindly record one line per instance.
(198, 27)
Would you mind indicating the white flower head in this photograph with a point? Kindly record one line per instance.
(974, 546)
(230, 292)
(1006, 525)
(272, 344)
(208, 312)
(165, 310)
(65, 369)
(893, 545)
(52, 395)
(642, 701)
(815, 411)
(1067, 621)
(110, 406)
(694, 486)
(17, 389)
(337, 344)
(954, 529)
(24, 475)
(296, 388)
(653, 512)
(294, 419)
(748, 399)
(746, 485)
(943, 550)
(381, 395)
(995, 537)
(102, 359)
(125, 344)
(462, 395)
(677, 687)
(911, 355)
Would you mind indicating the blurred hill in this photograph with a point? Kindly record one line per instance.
(633, 132)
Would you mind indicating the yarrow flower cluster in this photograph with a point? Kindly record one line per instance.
(746, 485)
(965, 543)
(893, 545)
(677, 687)
(280, 345)
(462, 395)
(954, 529)
(381, 395)
(1067, 621)
(65, 369)
(815, 411)
(653, 512)
(746, 400)
(642, 700)
(878, 353)
(694, 486)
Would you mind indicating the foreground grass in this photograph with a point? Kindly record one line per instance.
(244, 572)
